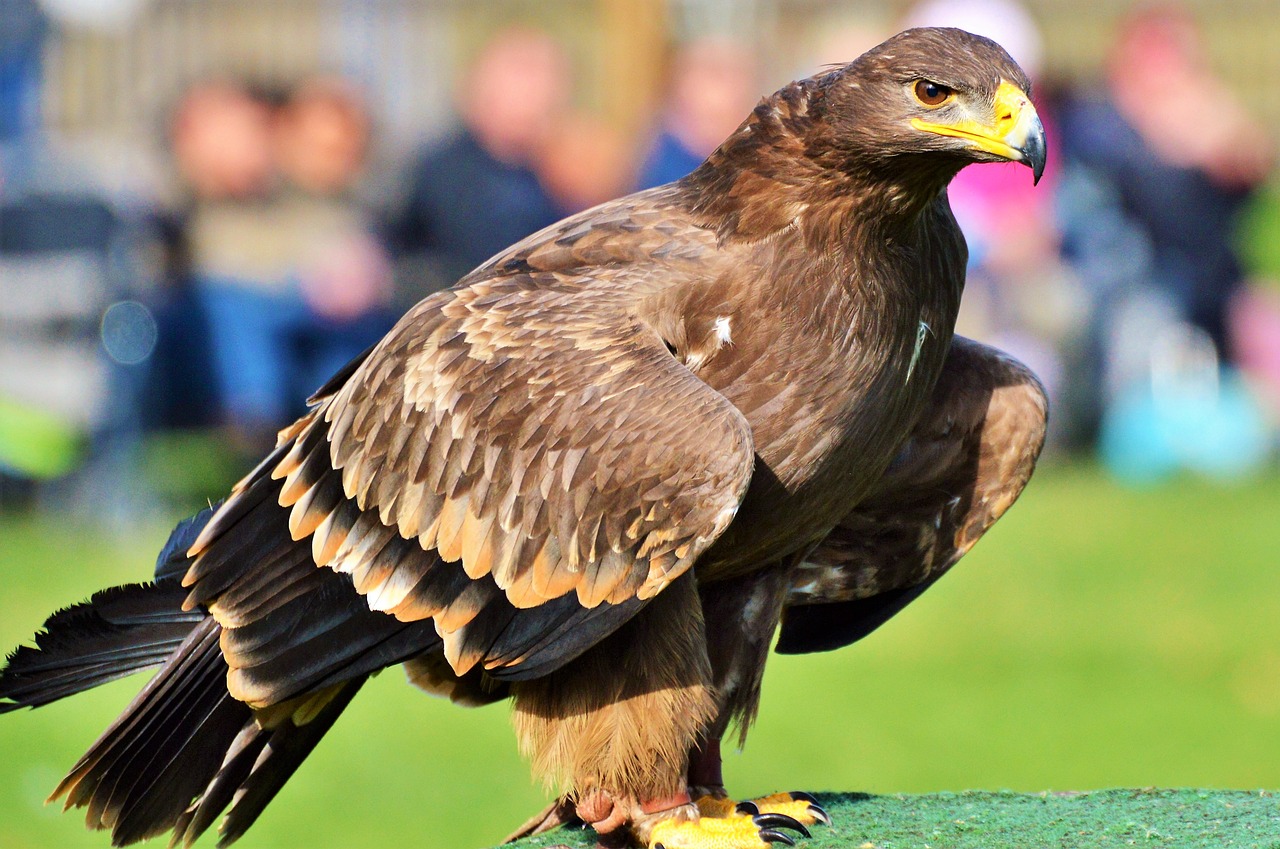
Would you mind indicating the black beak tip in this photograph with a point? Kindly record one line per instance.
(1033, 154)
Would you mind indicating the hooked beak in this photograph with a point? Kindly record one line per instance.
(1014, 132)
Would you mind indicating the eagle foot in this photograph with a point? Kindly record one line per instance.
(797, 804)
(724, 824)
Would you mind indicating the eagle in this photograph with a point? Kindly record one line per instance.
(597, 476)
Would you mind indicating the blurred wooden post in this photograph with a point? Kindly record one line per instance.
(633, 48)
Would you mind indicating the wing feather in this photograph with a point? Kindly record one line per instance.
(517, 466)
(965, 462)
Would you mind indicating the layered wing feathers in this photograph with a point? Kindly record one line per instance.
(520, 463)
(964, 464)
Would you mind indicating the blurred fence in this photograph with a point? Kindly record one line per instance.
(114, 86)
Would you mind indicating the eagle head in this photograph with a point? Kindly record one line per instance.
(951, 95)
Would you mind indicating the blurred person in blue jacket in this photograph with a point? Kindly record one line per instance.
(1160, 157)
(712, 83)
(479, 191)
(1178, 153)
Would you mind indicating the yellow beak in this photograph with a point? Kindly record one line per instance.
(1014, 131)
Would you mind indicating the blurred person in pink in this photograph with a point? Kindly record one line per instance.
(479, 191)
(712, 82)
(1019, 294)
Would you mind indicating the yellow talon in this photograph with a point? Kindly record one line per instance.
(733, 832)
(724, 824)
(801, 807)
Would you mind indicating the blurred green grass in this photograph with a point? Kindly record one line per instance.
(1099, 637)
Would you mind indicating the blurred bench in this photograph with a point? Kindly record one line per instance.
(55, 283)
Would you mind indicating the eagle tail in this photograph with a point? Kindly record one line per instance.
(117, 632)
(141, 775)
(184, 749)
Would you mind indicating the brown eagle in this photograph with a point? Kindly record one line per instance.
(597, 475)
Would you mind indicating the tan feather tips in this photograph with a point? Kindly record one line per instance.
(299, 711)
(509, 444)
(432, 674)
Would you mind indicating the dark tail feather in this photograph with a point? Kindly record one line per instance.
(185, 749)
(257, 766)
(117, 632)
(143, 772)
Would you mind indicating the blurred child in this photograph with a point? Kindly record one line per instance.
(342, 272)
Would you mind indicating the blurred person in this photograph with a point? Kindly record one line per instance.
(1178, 182)
(322, 135)
(182, 389)
(585, 162)
(321, 140)
(1151, 206)
(712, 83)
(236, 263)
(478, 191)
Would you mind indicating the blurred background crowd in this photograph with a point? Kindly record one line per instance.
(206, 208)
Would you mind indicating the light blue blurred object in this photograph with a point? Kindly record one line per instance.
(1190, 414)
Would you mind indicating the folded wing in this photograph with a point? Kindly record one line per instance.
(518, 467)
(964, 464)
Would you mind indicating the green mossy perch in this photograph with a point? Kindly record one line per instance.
(1182, 819)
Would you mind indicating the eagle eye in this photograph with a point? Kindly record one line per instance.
(931, 93)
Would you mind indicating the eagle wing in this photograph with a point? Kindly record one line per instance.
(521, 463)
(965, 462)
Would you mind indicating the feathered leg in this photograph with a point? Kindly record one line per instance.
(614, 728)
(743, 614)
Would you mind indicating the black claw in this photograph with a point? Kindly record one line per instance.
(775, 820)
(768, 835)
(815, 810)
(751, 809)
